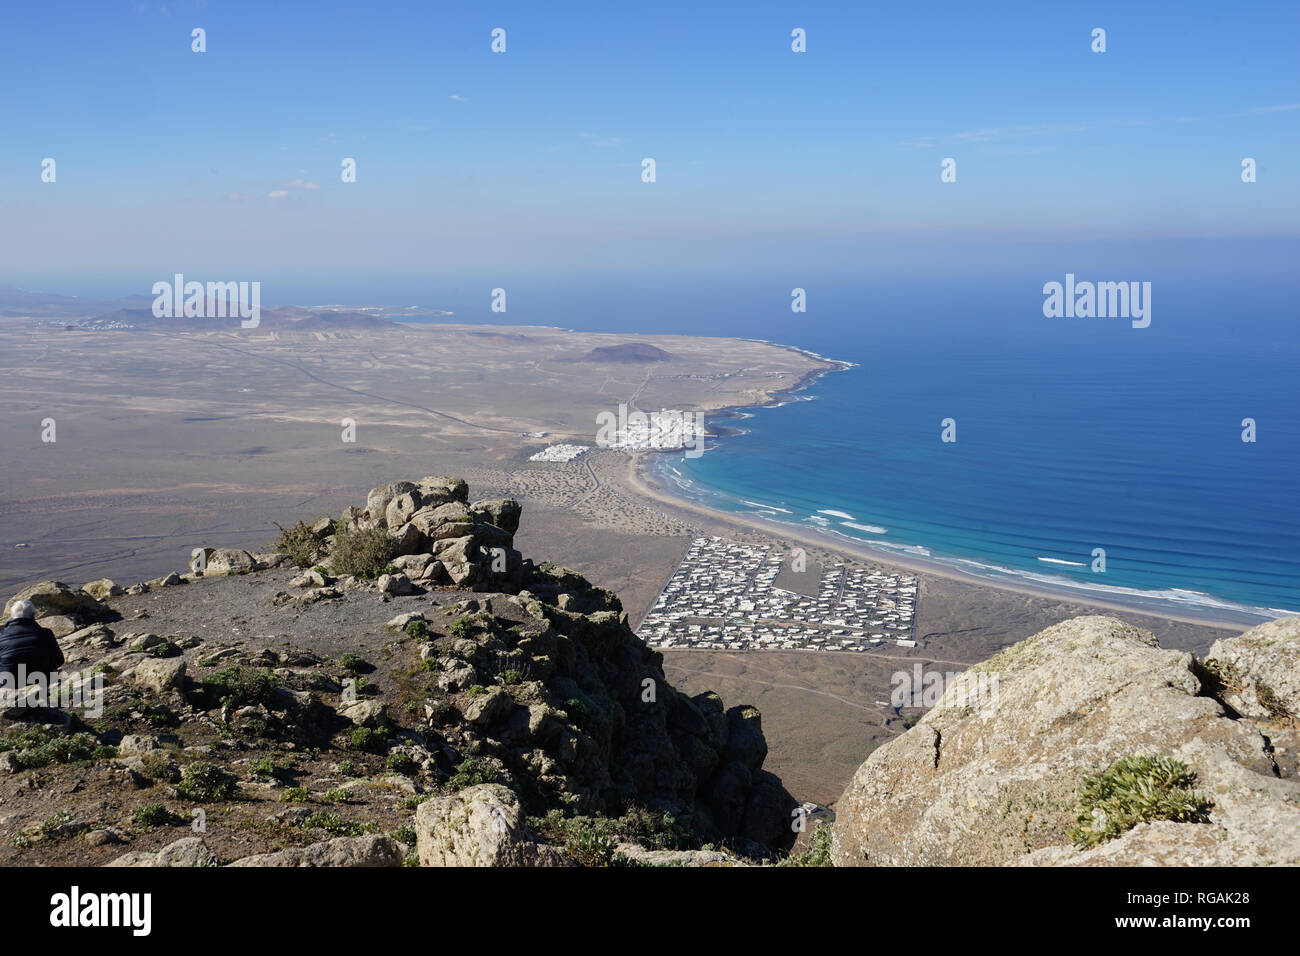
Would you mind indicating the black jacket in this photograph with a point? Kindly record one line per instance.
(23, 641)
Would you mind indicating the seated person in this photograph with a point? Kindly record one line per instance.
(23, 641)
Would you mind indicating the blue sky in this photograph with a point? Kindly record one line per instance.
(227, 162)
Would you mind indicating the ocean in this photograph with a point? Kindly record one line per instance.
(1072, 435)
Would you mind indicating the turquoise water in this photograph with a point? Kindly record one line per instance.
(1059, 451)
(1072, 435)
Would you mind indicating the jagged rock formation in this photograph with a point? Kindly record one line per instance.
(503, 692)
(996, 778)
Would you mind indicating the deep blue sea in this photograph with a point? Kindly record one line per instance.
(1072, 434)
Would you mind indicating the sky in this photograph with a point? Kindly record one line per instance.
(226, 164)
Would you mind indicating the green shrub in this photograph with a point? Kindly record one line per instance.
(367, 738)
(590, 845)
(38, 747)
(62, 824)
(158, 766)
(331, 822)
(355, 664)
(362, 552)
(470, 772)
(654, 830)
(401, 762)
(577, 708)
(818, 852)
(299, 543)
(150, 816)
(1136, 790)
(205, 782)
(463, 626)
(294, 795)
(264, 768)
(417, 629)
(240, 687)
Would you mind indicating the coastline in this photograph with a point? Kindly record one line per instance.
(641, 480)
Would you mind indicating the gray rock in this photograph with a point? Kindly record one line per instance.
(103, 589)
(394, 584)
(1260, 670)
(367, 713)
(378, 499)
(60, 625)
(478, 826)
(502, 512)
(137, 744)
(371, 850)
(990, 776)
(160, 675)
(488, 708)
(56, 598)
(190, 851)
(222, 561)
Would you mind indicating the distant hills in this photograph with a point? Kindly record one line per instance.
(629, 353)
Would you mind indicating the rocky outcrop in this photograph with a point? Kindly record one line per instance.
(479, 826)
(372, 850)
(995, 773)
(511, 701)
(190, 851)
(56, 599)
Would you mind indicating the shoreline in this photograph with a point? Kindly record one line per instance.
(638, 481)
(641, 480)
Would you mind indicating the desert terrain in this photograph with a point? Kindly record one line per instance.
(171, 439)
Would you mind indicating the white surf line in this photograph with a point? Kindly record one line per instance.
(869, 528)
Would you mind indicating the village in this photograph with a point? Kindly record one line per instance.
(723, 596)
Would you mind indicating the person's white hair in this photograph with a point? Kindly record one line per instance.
(22, 609)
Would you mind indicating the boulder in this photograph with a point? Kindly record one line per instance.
(745, 741)
(370, 850)
(395, 584)
(190, 851)
(160, 675)
(367, 713)
(488, 708)
(407, 540)
(378, 499)
(1260, 670)
(137, 744)
(221, 561)
(310, 578)
(502, 512)
(992, 774)
(56, 598)
(103, 589)
(414, 565)
(398, 511)
(443, 488)
(481, 825)
(60, 625)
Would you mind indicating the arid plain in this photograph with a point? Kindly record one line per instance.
(170, 439)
